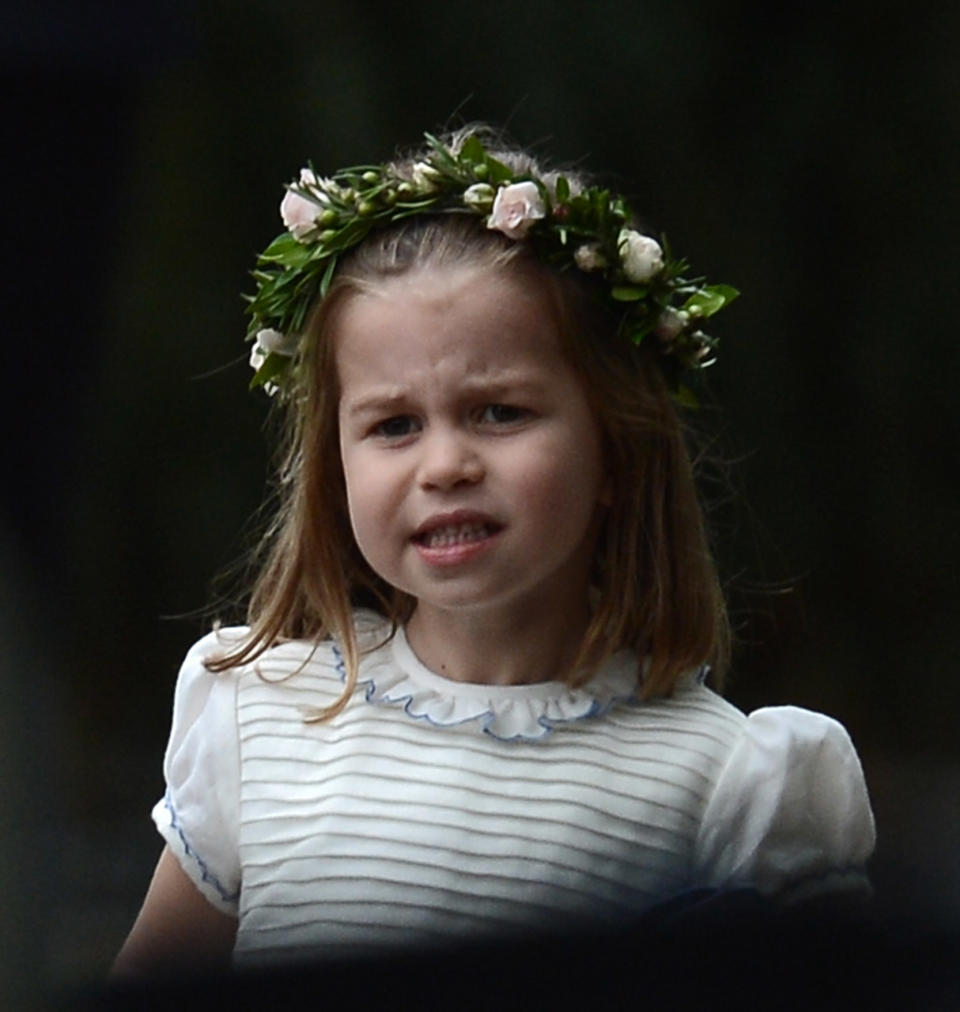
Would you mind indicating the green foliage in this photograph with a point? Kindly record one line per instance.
(273, 367)
(709, 300)
(579, 228)
(628, 293)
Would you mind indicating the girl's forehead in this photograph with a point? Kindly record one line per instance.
(451, 283)
(447, 327)
(485, 312)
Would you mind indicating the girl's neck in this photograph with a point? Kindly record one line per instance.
(498, 650)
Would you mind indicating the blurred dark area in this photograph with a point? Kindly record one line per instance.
(718, 951)
(809, 157)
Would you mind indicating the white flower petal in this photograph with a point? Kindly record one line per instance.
(640, 256)
(516, 208)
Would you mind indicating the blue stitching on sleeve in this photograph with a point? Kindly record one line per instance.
(206, 874)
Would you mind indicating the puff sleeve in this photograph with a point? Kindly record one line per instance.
(199, 813)
(789, 814)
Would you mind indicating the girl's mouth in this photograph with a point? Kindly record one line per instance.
(448, 535)
(453, 540)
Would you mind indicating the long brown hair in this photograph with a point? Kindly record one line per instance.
(656, 583)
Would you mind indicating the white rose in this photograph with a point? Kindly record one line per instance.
(299, 214)
(640, 256)
(270, 342)
(273, 342)
(515, 208)
(589, 258)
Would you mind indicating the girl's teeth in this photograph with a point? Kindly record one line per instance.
(443, 537)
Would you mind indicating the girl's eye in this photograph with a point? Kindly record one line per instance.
(396, 427)
(501, 414)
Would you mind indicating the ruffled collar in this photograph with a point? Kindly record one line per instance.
(394, 676)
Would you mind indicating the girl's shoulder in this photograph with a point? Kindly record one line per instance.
(285, 656)
(310, 672)
(789, 810)
(772, 739)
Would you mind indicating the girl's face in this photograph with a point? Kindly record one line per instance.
(472, 459)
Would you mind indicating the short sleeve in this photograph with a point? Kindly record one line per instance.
(199, 813)
(789, 814)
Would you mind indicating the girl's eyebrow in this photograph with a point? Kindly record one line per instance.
(516, 382)
(494, 387)
(373, 402)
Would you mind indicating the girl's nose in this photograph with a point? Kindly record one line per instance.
(449, 460)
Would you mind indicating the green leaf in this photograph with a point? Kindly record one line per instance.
(413, 206)
(545, 196)
(328, 276)
(685, 397)
(279, 244)
(628, 293)
(601, 202)
(473, 150)
(442, 158)
(563, 190)
(618, 207)
(499, 173)
(285, 249)
(640, 330)
(349, 236)
(709, 300)
(274, 365)
(728, 292)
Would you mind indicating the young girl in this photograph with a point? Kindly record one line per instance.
(470, 701)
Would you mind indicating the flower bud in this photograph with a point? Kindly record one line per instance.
(309, 178)
(371, 177)
(589, 258)
(479, 197)
(425, 177)
(671, 323)
(640, 256)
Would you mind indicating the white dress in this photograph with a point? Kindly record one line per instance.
(434, 811)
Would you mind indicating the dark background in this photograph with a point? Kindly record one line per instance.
(809, 158)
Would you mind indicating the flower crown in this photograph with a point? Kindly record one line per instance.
(587, 228)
